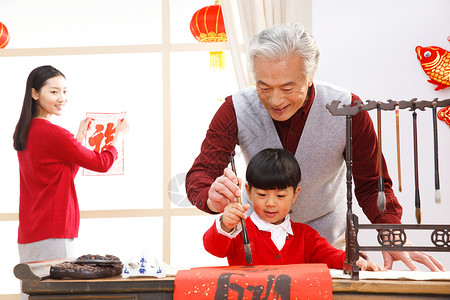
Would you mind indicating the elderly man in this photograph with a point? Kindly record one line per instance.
(286, 109)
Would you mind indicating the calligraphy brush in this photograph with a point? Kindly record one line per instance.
(381, 201)
(399, 168)
(416, 170)
(436, 160)
(247, 250)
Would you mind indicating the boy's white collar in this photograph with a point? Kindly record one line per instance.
(278, 232)
(266, 226)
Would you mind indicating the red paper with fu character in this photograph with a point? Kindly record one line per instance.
(99, 137)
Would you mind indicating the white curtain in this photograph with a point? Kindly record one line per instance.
(245, 18)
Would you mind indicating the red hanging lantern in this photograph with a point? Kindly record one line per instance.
(4, 36)
(207, 26)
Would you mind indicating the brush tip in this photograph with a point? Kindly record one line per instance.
(438, 196)
(418, 215)
(381, 201)
(248, 254)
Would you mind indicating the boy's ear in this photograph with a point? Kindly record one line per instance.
(296, 191)
(247, 188)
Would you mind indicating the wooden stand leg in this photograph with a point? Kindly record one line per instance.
(352, 249)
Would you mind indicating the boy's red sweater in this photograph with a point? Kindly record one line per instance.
(304, 246)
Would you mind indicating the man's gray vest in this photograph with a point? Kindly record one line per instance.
(322, 199)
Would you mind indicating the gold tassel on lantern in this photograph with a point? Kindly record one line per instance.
(217, 60)
(207, 26)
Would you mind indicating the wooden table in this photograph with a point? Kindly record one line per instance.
(36, 283)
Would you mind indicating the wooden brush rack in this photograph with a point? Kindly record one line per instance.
(391, 237)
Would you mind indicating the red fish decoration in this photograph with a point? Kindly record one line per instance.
(435, 62)
(444, 115)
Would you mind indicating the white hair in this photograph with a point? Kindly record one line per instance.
(281, 41)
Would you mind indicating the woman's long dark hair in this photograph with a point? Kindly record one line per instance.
(36, 80)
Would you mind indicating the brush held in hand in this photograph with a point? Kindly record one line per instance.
(247, 249)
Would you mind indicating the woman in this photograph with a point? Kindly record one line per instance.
(49, 158)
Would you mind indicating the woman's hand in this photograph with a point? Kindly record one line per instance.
(122, 129)
(85, 125)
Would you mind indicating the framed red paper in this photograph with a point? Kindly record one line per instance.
(100, 135)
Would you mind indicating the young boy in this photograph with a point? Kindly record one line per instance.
(272, 177)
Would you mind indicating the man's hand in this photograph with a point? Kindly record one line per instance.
(223, 191)
(408, 259)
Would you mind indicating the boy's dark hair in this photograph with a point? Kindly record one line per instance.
(273, 169)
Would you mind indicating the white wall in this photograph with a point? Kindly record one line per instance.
(369, 48)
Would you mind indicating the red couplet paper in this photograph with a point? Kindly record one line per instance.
(297, 281)
(99, 136)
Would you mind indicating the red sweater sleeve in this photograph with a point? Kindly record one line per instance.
(67, 149)
(216, 243)
(319, 250)
(218, 145)
(365, 172)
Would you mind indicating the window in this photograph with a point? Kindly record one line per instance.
(119, 56)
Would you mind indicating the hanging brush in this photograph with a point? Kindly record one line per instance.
(436, 160)
(381, 201)
(416, 169)
(247, 250)
(399, 168)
